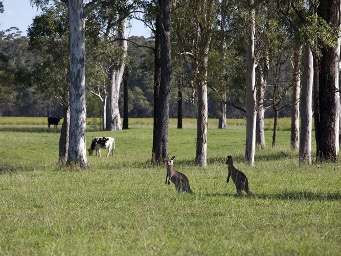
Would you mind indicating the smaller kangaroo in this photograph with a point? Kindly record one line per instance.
(238, 177)
(179, 179)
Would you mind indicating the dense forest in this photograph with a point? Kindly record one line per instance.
(211, 58)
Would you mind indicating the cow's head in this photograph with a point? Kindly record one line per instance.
(90, 151)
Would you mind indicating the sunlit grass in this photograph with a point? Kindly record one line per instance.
(121, 206)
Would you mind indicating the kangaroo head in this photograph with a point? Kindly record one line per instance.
(170, 161)
(229, 160)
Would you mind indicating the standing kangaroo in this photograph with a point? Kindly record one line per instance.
(179, 179)
(238, 177)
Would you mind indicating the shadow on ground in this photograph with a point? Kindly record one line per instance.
(287, 195)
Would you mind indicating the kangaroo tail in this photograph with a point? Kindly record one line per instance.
(247, 187)
(188, 190)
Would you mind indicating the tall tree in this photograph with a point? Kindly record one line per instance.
(157, 81)
(115, 75)
(251, 91)
(49, 34)
(77, 145)
(77, 17)
(162, 110)
(306, 106)
(295, 110)
(325, 119)
(194, 34)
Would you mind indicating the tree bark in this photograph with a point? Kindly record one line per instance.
(115, 80)
(126, 100)
(306, 106)
(64, 135)
(157, 79)
(179, 126)
(251, 90)
(274, 133)
(77, 145)
(260, 132)
(295, 110)
(202, 120)
(222, 117)
(337, 82)
(161, 146)
(327, 89)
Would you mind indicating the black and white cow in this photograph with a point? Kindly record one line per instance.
(53, 121)
(102, 142)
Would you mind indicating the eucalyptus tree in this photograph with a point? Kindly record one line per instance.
(105, 64)
(280, 53)
(318, 27)
(298, 16)
(157, 16)
(111, 21)
(251, 91)
(49, 35)
(194, 33)
(77, 17)
(326, 111)
(162, 107)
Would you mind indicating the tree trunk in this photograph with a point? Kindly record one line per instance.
(157, 79)
(295, 110)
(337, 83)
(222, 117)
(126, 100)
(161, 146)
(180, 103)
(327, 90)
(260, 133)
(104, 112)
(274, 133)
(202, 120)
(115, 80)
(251, 90)
(77, 145)
(306, 106)
(64, 136)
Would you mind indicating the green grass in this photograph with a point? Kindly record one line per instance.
(121, 206)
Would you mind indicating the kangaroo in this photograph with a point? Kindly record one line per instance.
(238, 177)
(179, 179)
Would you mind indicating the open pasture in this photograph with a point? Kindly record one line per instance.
(121, 206)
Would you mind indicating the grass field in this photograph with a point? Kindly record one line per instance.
(121, 206)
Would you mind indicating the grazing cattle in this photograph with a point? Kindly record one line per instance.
(53, 121)
(102, 142)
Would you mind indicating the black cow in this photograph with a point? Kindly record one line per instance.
(54, 121)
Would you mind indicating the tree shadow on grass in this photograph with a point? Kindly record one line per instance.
(301, 195)
(32, 129)
(287, 195)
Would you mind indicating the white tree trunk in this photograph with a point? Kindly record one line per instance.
(77, 145)
(116, 77)
(260, 133)
(251, 112)
(202, 120)
(295, 110)
(306, 107)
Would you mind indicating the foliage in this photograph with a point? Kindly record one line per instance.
(122, 206)
(316, 28)
(49, 36)
(16, 63)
